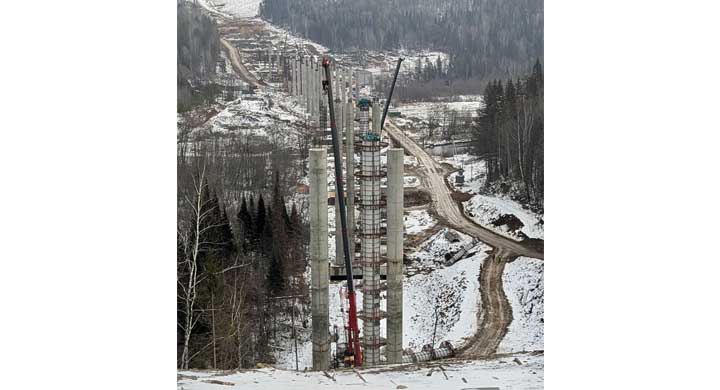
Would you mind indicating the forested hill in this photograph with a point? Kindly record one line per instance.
(198, 48)
(485, 38)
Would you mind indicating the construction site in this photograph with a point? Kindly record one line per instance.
(402, 273)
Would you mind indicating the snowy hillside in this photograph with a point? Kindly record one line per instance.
(454, 292)
(523, 281)
(230, 8)
(242, 8)
(485, 209)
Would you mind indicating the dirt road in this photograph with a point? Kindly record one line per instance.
(447, 208)
(495, 313)
(237, 64)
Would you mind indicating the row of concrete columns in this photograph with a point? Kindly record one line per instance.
(305, 82)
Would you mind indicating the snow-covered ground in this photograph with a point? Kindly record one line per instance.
(450, 293)
(474, 170)
(523, 282)
(454, 290)
(265, 114)
(435, 248)
(425, 110)
(485, 209)
(230, 8)
(503, 373)
(417, 221)
(242, 8)
(415, 117)
(385, 62)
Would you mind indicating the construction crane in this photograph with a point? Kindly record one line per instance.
(353, 338)
(353, 341)
(392, 88)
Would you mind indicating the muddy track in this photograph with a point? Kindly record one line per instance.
(447, 208)
(495, 313)
(237, 64)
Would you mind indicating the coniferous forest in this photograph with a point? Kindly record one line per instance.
(240, 250)
(509, 134)
(198, 48)
(484, 38)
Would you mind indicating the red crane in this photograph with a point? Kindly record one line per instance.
(353, 341)
(353, 329)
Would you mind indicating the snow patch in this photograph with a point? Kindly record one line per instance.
(417, 221)
(485, 209)
(523, 282)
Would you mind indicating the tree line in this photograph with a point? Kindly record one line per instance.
(484, 38)
(235, 256)
(509, 134)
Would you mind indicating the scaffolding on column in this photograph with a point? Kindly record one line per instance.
(370, 236)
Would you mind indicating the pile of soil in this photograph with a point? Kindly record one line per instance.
(460, 196)
(512, 222)
(414, 198)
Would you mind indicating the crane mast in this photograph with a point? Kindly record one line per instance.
(354, 330)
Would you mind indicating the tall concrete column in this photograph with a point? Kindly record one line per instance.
(313, 88)
(376, 115)
(318, 86)
(319, 259)
(295, 77)
(339, 253)
(336, 84)
(322, 121)
(301, 81)
(306, 83)
(349, 81)
(341, 82)
(395, 225)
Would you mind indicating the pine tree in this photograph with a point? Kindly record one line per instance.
(260, 223)
(295, 222)
(226, 239)
(246, 226)
(275, 276)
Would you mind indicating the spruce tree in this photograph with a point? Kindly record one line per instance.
(246, 225)
(260, 223)
(295, 222)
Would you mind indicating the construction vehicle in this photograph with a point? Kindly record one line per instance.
(352, 356)
(353, 341)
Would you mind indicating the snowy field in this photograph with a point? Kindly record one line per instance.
(504, 373)
(385, 62)
(523, 282)
(241, 8)
(474, 170)
(418, 221)
(485, 210)
(424, 110)
(450, 293)
(454, 290)
(230, 8)
(267, 114)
